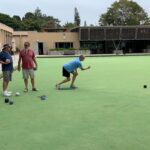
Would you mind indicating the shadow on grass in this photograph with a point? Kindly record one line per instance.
(67, 88)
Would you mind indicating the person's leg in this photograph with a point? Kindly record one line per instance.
(25, 77)
(64, 81)
(5, 85)
(6, 79)
(32, 83)
(75, 74)
(32, 77)
(26, 83)
(66, 74)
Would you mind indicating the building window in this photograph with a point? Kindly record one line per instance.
(64, 45)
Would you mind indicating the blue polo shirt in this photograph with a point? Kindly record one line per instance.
(3, 56)
(73, 65)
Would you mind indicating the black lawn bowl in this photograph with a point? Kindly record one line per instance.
(11, 103)
(144, 86)
(43, 97)
(6, 100)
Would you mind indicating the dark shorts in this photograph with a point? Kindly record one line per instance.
(65, 73)
(7, 75)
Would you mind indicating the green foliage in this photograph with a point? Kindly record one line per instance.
(38, 21)
(69, 25)
(29, 16)
(17, 18)
(124, 12)
(76, 17)
(6, 19)
(31, 25)
(31, 21)
(38, 13)
(83, 48)
(61, 49)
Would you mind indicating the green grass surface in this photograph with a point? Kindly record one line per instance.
(109, 111)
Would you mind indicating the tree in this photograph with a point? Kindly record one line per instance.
(124, 12)
(69, 25)
(31, 21)
(17, 23)
(76, 17)
(85, 24)
(17, 18)
(38, 21)
(37, 13)
(29, 16)
(7, 20)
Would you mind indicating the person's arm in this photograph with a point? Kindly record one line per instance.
(3, 62)
(85, 68)
(19, 62)
(35, 62)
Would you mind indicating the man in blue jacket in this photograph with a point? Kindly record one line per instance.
(71, 67)
(7, 68)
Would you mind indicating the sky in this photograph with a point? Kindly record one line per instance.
(89, 10)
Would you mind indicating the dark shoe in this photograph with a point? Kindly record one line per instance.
(25, 90)
(57, 87)
(73, 87)
(34, 89)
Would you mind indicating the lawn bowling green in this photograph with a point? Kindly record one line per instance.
(108, 111)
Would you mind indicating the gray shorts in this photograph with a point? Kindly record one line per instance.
(7, 75)
(28, 72)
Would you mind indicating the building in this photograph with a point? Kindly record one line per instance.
(102, 39)
(42, 42)
(6, 35)
(108, 39)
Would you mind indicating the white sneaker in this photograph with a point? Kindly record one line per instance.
(6, 94)
(9, 92)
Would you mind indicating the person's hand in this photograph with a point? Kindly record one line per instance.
(34, 68)
(7, 61)
(89, 67)
(3, 62)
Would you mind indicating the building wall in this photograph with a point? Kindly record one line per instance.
(47, 38)
(19, 38)
(6, 35)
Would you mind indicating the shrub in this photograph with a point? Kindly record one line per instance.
(61, 49)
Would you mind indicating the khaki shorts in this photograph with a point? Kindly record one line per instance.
(28, 72)
(7, 75)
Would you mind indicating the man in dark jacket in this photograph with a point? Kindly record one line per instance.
(7, 68)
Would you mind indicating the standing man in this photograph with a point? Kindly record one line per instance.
(7, 68)
(29, 64)
(71, 67)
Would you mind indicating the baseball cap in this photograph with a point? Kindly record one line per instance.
(5, 46)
